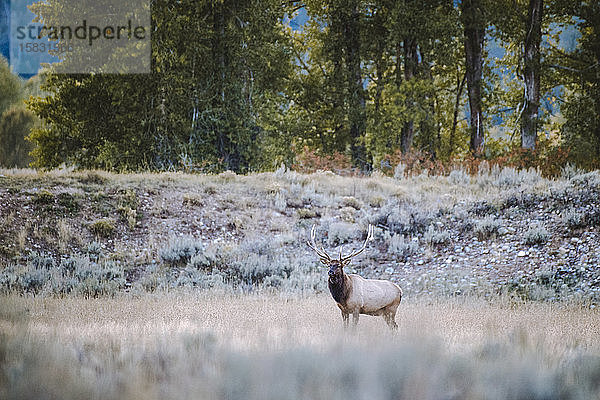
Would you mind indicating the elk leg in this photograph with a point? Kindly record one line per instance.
(355, 318)
(390, 320)
(345, 318)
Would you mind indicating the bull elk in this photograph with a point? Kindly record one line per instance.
(354, 294)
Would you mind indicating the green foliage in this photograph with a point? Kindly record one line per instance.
(581, 131)
(15, 121)
(43, 197)
(199, 110)
(104, 227)
(10, 86)
(15, 124)
(80, 107)
(362, 81)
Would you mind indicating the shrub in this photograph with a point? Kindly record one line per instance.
(307, 213)
(436, 238)
(590, 180)
(97, 279)
(68, 202)
(92, 177)
(482, 208)
(44, 197)
(400, 171)
(181, 366)
(251, 265)
(180, 250)
(404, 219)
(211, 189)
(511, 177)
(193, 199)
(104, 227)
(128, 199)
(536, 235)
(227, 176)
(459, 177)
(308, 160)
(564, 283)
(280, 202)
(569, 170)
(129, 216)
(342, 232)
(350, 201)
(192, 277)
(401, 247)
(33, 280)
(573, 219)
(94, 250)
(78, 275)
(40, 261)
(15, 124)
(487, 227)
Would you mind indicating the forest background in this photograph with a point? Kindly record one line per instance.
(348, 86)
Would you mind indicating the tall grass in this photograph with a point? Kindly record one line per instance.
(271, 347)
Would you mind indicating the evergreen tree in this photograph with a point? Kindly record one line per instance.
(580, 71)
(216, 65)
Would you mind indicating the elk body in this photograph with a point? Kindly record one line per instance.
(354, 294)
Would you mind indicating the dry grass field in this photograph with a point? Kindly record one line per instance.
(176, 286)
(218, 346)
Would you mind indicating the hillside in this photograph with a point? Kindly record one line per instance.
(500, 232)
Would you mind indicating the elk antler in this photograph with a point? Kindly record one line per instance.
(325, 259)
(347, 258)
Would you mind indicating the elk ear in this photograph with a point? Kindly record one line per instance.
(324, 262)
(345, 262)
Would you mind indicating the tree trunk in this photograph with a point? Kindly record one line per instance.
(399, 58)
(357, 111)
(474, 36)
(529, 121)
(460, 84)
(218, 48)
(411, 62)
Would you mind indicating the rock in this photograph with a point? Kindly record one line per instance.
(389, 270)
(522, 253)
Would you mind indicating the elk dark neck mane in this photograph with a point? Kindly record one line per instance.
(340, 286)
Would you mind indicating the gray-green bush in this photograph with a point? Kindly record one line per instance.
(487, 227)
(195, 366)
(401, 247)
(74, 275)
(180, 250)
(436, 237)
(537, 234)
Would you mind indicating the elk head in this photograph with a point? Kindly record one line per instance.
(336, 266)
